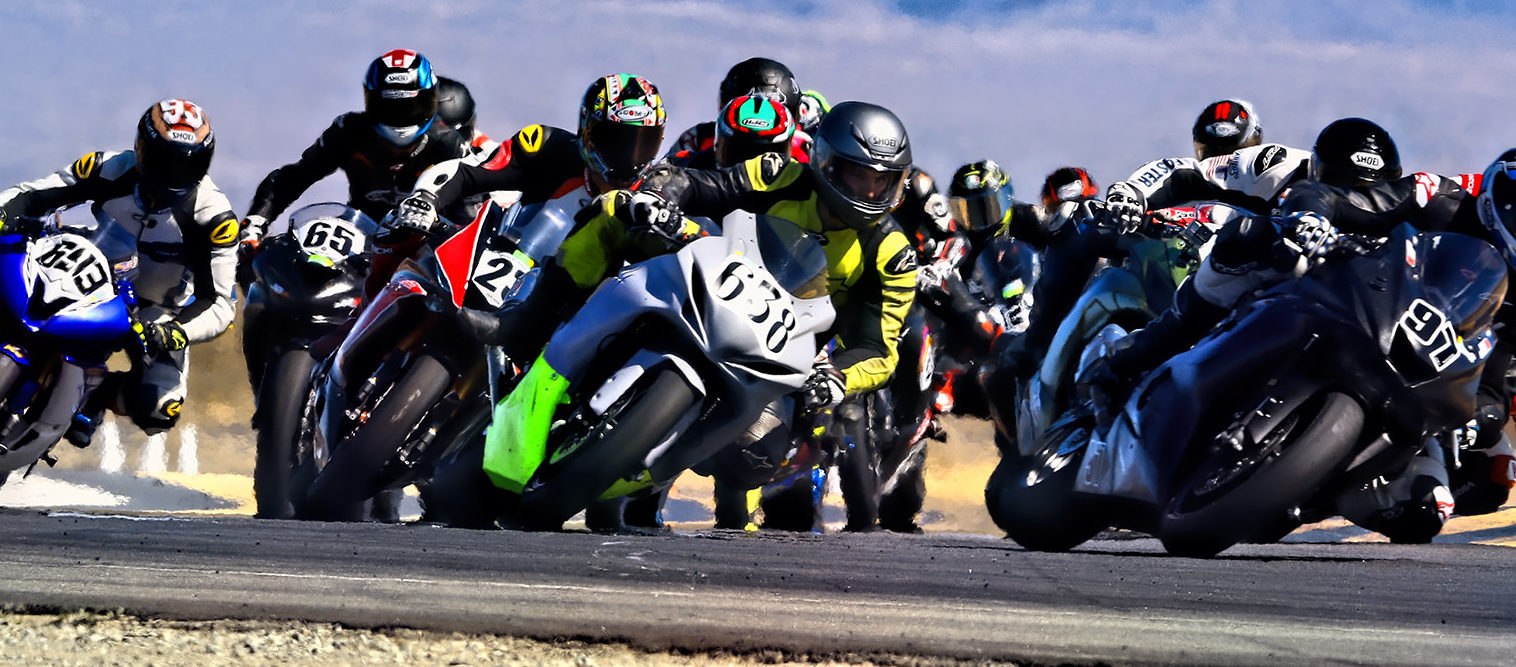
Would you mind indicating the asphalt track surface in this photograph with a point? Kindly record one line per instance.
(936, 595)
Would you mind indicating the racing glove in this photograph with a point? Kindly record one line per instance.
(825, 387)
(1124, 206)
(654, 212)
(1311, 233)
(160, 337)
(417, 212)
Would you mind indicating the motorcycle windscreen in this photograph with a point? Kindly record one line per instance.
(1468, 276)
(794, 256)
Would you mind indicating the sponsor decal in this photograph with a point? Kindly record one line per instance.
(633, 114)
(1426, 188)
(1268, 157)
(400, 77)
(756, 123)
(1367, 160)
(1070, 190)
(904, 261)
(530, 138)
(84, 167)
(884, 142)
(225, 233)
(398, 94)
(181, 136)
(1223, 129)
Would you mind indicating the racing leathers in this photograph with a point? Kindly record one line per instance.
(187, 263)
(1252, 254)
(1250, 178)
(872, 273)
(379, 175)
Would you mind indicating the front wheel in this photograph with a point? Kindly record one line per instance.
(352, 474)
(1234, 496)
(281, 398)
(1032, 498)
(615, 448)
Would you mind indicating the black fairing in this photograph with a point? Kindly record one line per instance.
(1340, 327)
(301, 299)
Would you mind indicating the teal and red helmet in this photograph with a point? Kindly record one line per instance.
(752, 125)
(620, 128)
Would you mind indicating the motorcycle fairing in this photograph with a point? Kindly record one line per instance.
(516, 442)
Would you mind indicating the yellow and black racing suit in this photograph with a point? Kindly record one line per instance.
(873, 272)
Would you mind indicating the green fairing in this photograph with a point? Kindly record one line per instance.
(516, 443)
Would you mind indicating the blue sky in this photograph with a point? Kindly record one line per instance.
(1034, 85)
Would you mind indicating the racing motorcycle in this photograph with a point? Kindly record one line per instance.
(302, 287)
(666, 364)
(410, 379)
(1029, 493)
(1313, 389)
(68, 306)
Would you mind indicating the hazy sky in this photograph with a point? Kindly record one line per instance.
(1032, 84)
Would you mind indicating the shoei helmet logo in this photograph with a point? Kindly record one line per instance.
(400, 77)
(1367, 160)
(884, 142)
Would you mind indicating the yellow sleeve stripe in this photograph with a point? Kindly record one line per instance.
(761, 183)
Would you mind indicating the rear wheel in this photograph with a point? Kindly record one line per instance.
(353, 472)
(1234, 496)
(1032, 498)
(280, 402)
(615, 448)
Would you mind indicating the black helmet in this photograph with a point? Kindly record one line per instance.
(1497, 204)
(400, 95)
(1354, 151)
(173, 148)
(620, 127)
(456, 106)
(1225, 126)
(752, 125)
(761, 75)
(981, 196)
(860, 160)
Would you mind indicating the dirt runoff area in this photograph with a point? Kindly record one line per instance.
(88, 638)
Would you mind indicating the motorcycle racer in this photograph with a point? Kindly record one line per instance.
(186, 234)
(381, 150)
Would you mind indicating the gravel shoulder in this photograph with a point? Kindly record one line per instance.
(31, 637)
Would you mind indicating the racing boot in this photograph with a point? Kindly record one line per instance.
(1409, 509)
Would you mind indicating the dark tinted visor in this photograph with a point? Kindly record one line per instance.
(401, 107)
(172, 166)
(622, 151)
(983, 210)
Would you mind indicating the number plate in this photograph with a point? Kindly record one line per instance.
(329, 240)
(748, 289)
(496, 273)
(1430, 328)
(70, 267)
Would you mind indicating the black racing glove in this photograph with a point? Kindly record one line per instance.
(160, 337)
(825, 387)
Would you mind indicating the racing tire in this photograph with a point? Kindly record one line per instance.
(281, 400)
(353, 471)
(637, 423)
(1228, 498)
(1032, 498)
(899, 506)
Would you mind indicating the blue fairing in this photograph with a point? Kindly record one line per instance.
(105, 322)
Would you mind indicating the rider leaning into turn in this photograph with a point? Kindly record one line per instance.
(1356, 187)
(186, 238)
(381, 149)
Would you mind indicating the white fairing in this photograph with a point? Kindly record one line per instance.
(69, 267)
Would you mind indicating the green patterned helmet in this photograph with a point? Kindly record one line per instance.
(620, 127)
